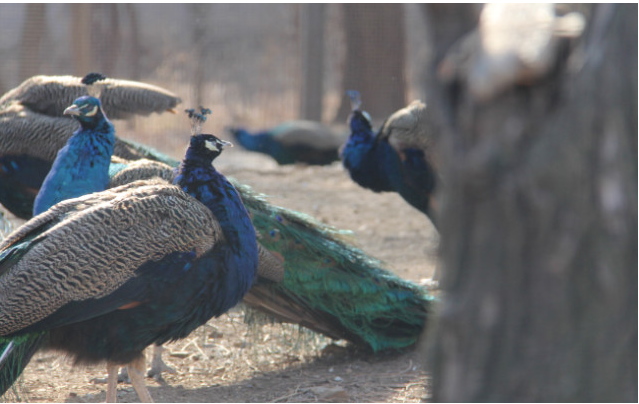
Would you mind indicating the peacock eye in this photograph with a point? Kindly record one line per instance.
(211, 145)
(92, 112)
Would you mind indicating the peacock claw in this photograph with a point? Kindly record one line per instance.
(158, 365)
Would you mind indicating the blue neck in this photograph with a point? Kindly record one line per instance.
(362, 136)
(81, 166)
(198, 178)
(361, 155)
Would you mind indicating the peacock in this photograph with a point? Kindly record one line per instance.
(84, 166)
(292, 142)
(396, 159)
(328, 285)
(75, 171)
(33, 127)
(105, 275)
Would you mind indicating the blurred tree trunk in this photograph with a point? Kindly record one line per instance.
(312, 18)
(446, 23)
(34, 31)
(375, 58)
(135, 48)
(199, 15)
(539, 231)
(81, 38)
(112, 40)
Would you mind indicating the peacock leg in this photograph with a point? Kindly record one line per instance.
(123, 376)
(136, 370)
(158, 365)
(112, 382)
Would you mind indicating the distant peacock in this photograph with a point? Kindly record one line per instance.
(33, 128)
(292, 142)
(328, 286)
(103, 276)
(396, 159)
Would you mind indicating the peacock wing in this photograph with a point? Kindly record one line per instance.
(86, 248)
(124, 98)
(407, 127)
(50, 95)
(123, 171)
(24, 132)
(412, 127)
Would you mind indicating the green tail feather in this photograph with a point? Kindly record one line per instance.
(346, 293)
(15, 354)
(329, 286)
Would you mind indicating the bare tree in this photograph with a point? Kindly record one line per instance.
(375, 58)
(539, 227)
(34, 31)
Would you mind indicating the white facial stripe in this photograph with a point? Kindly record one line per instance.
(93, 111)
(211, 145)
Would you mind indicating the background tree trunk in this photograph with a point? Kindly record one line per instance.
(312, 43)
(135, 47)
(539, 231)
(446, 23)
(199, 13)
(34, 31)
(81, 38)
(375, 54)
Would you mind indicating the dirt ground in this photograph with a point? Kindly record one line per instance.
(228, 360)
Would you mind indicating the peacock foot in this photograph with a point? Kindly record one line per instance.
(158, 365)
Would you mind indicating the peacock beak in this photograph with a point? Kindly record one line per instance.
(72, 110)
(226, 143)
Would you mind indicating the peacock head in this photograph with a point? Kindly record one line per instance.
(87, 110)
(206, 147)
(358, 120)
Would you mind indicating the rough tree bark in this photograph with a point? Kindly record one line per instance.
(539, 230)
(375, 58)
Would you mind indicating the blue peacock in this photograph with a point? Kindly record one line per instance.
(128, 267)
(33, 127)
(76, 171)
(328, 286)
(396, 159)
(292, 142)
(84, 165)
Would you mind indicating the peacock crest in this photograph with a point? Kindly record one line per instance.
(197, 118)
(95, 84)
